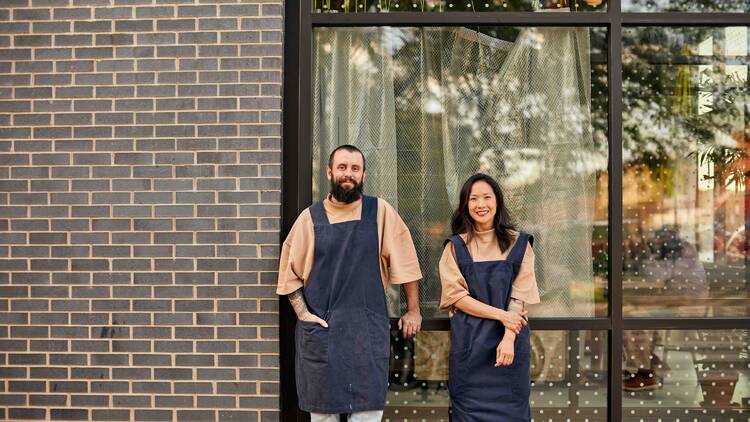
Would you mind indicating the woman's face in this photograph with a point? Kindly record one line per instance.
(482, 205)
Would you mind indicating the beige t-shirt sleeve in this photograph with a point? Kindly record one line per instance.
(454, 286)
(524, 286)
(398, 257)
(297, 252)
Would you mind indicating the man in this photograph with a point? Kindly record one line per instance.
(335, 265)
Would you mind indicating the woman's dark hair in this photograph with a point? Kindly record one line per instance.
(461, 222)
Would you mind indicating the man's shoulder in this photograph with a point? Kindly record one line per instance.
(385, 209)
(389, 214)
(383, 204)
(303, 218)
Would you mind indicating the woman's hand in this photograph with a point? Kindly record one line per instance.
(505, 352)
(514, 321)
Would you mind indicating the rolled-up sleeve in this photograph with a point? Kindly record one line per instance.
(453, 284)
(297, 254)
(524, 286)
(398, 257)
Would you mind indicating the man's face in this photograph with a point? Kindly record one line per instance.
(346, 175)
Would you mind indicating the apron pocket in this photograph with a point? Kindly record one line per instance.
(458, 362)
(380, 339)
(520, 375)
(523, 342)
(313, 342)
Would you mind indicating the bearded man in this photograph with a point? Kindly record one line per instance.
(335, 265)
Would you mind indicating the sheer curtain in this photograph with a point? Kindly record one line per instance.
(353, 103)
(520, 112)
(431, 106)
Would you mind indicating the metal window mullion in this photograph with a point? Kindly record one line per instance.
(614, 87)
(541, 324)
(687, 323)
(685, 19)
(305, 176)
(530, 18)
(296, 176)
(460, 18)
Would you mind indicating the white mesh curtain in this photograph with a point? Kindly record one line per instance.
(431, 106)
(353, 103)
(520, 112)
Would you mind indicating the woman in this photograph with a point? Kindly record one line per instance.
(487, 275)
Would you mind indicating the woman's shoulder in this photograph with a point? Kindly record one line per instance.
(515, 234)
(448, 242)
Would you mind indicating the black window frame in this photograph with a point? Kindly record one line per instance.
(299, 23)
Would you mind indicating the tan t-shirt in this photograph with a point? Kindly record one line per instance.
(398, 258)
(484, 247)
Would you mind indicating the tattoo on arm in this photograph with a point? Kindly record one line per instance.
(516, 305)
(297, 299)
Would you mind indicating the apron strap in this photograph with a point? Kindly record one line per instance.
(519, 250)
(318, 214)
(369, 208)
(462, 252)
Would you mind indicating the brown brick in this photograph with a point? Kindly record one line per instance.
(138, 145)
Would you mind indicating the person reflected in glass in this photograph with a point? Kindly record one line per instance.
(487, 277)
(669, 262)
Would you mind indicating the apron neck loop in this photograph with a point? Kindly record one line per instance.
(369, 208)
(519, 249)
(461, 250)
(318, 214)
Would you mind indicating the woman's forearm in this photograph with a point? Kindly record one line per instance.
(516, 306)
(473, 307)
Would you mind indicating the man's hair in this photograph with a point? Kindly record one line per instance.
(346, 147)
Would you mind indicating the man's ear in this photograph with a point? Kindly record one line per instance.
(328, 173)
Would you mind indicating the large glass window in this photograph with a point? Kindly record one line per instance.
(685, 152)
(433, 103)
(431, 106)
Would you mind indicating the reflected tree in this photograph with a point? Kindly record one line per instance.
(680, 105)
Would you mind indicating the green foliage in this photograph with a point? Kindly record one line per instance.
(657, 129)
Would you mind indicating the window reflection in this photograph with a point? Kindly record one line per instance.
(685, 140)
(686, 375)
(568, 375)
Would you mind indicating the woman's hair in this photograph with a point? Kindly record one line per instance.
(461, 222)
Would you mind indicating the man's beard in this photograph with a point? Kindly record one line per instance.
(347, 196)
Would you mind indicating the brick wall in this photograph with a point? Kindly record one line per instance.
(139, 209)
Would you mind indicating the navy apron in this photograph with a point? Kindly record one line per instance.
(344, 368)
(479, 391)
